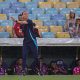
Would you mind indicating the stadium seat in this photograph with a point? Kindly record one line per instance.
(9, 30)
(15, 15)
(4, 5)
(38, 1)
(12, 1)
(3, 17)
(43, 29)
(58, 17)
(0, 11)
(77, 9)
(61, 22)
(38, 22)
(20, 10)
(51, 11)
(59, 5)
(1, 0)
(37, 11)
(2, 29)
(65, 11)
(77, 0)
(4, 35)
(66, 0)
(8, 10)
(47, 35)
(77, 13)
(62, 35)
(50, 23)
(31, 5)
(73, 5)
(56, 29)
(7, 23)
(45, 5)
(17, 5)
(24, 1)
(32, 16)
(43, 17)
(53, 0)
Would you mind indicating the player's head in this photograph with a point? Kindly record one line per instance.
(78, 62)
(78, 21)
(24, 15)
(72, 15)
(53, 64)
(19, 61)
(20, 17)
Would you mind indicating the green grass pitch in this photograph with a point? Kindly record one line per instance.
(29, 77)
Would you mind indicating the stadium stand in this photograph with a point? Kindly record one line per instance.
(45, 5)
(56, 29)
(4, 35)
(24, 1)
(48, 35)
(3, 17)
(59, 5)
(42, 12)
(62, 35)
(38, 22)
(48, 15)
(53, 0)
(73, 4)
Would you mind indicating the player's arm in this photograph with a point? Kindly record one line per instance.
(13, 32)
(21, 22)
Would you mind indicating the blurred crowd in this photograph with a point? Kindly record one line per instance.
(38, 67)
(72, 26)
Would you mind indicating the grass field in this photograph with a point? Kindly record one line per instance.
(68, 77)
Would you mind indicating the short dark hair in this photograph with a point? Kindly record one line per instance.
(19, 15)
(23, 12)
(72, 13)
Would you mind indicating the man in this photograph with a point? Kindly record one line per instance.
(29, 42)
(17, 33)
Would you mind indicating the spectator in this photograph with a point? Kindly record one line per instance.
(77, 29)
(35, 67)
(62, 67)
(18, 67)
(43, 67)
(39, 67)
(2, 68)
(53, 68)
(17, 32)
(56, 69)
(76, 70)
(70, 24)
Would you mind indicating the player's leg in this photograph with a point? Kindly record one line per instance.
(25, 51)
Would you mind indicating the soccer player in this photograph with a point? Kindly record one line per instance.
(29, 42)
(17, 32)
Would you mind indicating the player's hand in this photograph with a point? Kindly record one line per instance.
(15, 36)
(25, 22)
(20, 30)
(13, 18)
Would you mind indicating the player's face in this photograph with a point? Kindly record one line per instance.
(54, 65)
(20, 61)
(72, 15)
(20, 18)
(25, 15)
